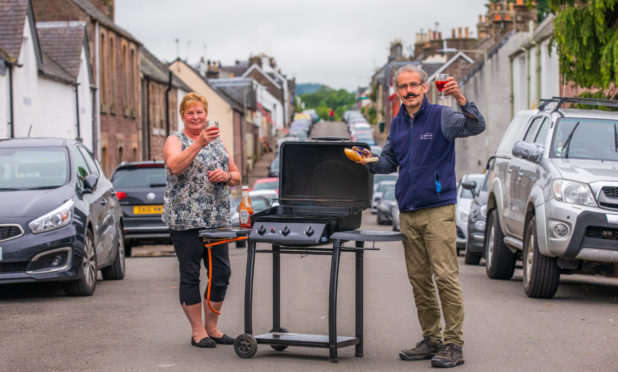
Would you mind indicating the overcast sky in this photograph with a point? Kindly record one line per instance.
(339, 43)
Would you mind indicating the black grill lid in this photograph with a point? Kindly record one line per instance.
(319, 173)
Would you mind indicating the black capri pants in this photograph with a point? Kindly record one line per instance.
(190, 251)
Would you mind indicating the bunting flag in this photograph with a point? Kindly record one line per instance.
(265, 113)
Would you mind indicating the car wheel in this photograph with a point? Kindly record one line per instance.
(472, 258)
(85, 285)
(541, 273)
(500, 260)
(128, 248)
(116, 270)
(380, 220)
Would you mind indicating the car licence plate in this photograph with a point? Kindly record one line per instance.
(612, 218)
(0, 253)
(147, 209)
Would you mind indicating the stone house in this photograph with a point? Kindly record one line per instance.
(114, 55)
(45, 77)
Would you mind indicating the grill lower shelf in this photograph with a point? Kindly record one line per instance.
(303, 339)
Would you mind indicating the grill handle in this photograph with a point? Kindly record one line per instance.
(331, 139)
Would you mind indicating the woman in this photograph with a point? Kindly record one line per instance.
(199, 170)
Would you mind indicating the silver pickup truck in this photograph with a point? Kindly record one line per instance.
(553, 196)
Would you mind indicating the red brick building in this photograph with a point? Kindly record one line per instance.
(115, 59)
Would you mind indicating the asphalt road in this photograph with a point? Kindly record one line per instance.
(137, 324)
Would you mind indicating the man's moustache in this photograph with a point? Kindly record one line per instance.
(410, 95)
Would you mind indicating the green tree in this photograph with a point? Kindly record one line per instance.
(326, 98)
(586, 33)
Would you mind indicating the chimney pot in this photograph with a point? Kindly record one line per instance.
(452, 33)
(480, 18)
(467, 33)
(519, 2)
(439, 35)
(459, 32)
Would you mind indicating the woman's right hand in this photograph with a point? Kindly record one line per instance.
(208, 135)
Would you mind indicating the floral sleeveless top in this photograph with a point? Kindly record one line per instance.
(191, 201)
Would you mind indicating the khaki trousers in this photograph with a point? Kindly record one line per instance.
(431, 256)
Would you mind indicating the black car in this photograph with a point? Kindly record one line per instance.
(385, 207)
(60, 219)
(140, 187)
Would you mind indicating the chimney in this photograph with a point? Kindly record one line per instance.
(439, 35)
(459, 32)
(467, 33)
(452, 33)
(480, 18)
(105, 6)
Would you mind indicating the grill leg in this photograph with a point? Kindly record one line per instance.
(249, 287)
(276, 288)
(332, 301)
(359, 299)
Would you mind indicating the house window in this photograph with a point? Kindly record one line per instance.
(126, 80)
(112, 74)
(120, 154)
(133, 82)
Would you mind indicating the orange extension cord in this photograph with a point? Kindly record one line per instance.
(209, 245)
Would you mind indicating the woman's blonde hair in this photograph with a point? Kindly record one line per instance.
(190, 99)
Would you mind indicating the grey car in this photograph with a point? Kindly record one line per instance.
(385, 206)
(553, 200)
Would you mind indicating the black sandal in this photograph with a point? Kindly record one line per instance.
(205, 342)
(224, 340)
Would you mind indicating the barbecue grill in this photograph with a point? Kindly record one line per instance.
(322, 195)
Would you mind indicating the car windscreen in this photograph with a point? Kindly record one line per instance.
(270, 185)
(389, 194)
(377, 178)
(140, 177)
(33, 168)
(585, 138)
(383, 186)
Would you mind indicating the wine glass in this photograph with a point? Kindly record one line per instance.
(441, 81)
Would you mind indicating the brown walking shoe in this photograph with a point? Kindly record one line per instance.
(423, 350)
(451, 355)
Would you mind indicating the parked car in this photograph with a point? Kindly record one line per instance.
(477, 218)
(140, 187)
(386, 205)
(554, 201)
(312, 114)
(376, 150)
(377, 178)
(269, 183)
(396, 226)
(60, 219)
(462, 208)
(377, 194)
(273, 168)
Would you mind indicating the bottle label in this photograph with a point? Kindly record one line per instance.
(244, 218)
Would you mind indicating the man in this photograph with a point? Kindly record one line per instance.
(421, 143)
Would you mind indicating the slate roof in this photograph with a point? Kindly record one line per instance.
(12, 20)
(237, 70)
(94, 12)
(54, 70)
(234, 88)
(63, 42)
(156, 70)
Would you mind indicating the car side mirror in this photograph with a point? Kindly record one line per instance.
(528, 150)
(90, 182)
(470, 185)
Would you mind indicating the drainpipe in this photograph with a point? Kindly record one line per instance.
(94, 89)
(97, 98)
(147, 116)
(78, 138)
(167, 104)
(11, 111)
(538, 63)
(512, 83)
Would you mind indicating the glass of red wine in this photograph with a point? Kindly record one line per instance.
(441, 81)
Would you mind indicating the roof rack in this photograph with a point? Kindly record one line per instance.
(584, 101)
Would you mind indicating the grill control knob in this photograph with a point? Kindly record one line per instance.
(285, 231)
(272, 230)
(309, 231)
(261, 230)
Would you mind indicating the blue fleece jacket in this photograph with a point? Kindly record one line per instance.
(423, 147)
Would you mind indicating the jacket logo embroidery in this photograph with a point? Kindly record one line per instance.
(426, 136)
